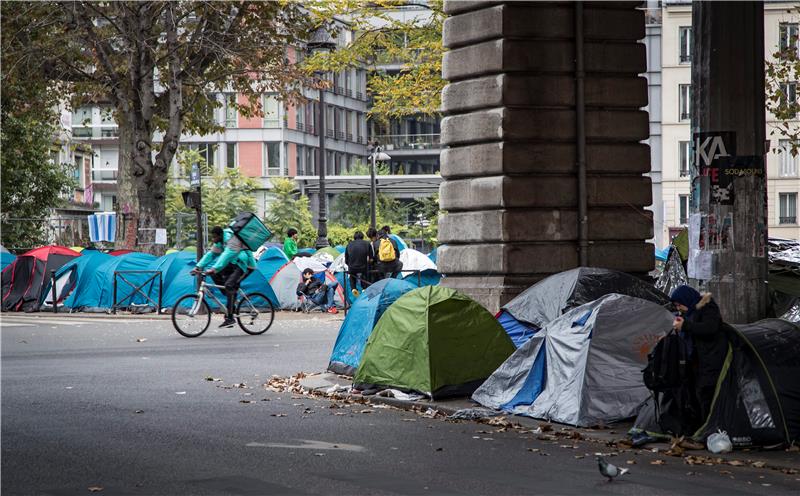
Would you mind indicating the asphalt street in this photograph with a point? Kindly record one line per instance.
(125, 406)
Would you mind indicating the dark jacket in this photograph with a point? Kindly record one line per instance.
(309, 289)
(357, 254)
(705, 327)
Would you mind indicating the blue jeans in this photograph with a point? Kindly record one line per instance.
(325, 299)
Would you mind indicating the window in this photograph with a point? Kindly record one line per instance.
(231, 114)
(788, 163)
(272, 159)
(271, 117)
(686, 44)
(230, 155)
(329, 121)
(788, 35)
(300, 158)
(685, 97)
(789, 98)
(207, 152)
(311, 161)
(686, 158)
(82, 116)
(348, 82)
(349, 127)
(300, 111)
(78, 172)
(683, 209)
(788, 208)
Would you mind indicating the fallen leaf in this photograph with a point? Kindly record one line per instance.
(735, 463)
(765, 484)
(533, 450)
(658, 462)
(439, 449)
(366, 410)
(139, 411)
(95, 489)
(789, 471)
(545, 427)
(246, 401)
(725, 472)
(631, 462)
(319, 454)
(180, 392)
(580, 456)
(408, 420)
(277, 415)
(692, 473)
(759, 464)
(141, 340)
(213, 379)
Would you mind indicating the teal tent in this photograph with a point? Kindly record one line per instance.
(98, 294)
(271, 261)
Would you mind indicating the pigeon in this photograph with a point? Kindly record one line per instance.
(609, 470)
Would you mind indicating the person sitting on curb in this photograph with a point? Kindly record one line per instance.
(318, 291)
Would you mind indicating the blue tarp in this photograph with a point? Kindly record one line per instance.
(270, 261)
(519, 332)
(360, 320)
(6, 259)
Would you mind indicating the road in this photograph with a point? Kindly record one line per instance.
(124, 404)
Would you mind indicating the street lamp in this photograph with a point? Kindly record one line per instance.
(376, 155)
(321, 42)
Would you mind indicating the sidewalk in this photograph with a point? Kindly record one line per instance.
(612, 436)
(165, 315)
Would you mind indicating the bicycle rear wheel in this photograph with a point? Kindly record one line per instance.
(255, 313)
(191, 316)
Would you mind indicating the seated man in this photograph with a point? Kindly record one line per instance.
(229, 266)
(318, 291)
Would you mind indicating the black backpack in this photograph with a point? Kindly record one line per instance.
(667, 365)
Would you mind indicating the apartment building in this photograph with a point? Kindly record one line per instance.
(781, 21)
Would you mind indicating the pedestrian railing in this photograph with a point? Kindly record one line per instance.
(119, 275)
(369, 283)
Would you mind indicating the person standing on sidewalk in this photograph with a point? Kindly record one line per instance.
(356, 256)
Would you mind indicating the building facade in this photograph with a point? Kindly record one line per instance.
(781, 20)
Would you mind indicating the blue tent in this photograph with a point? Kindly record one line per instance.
(6, 259)
(401, 245)
(432, 255)
(519, 332)
(662, 254)
(340, 248)
(310, 251)
(270, 261)
(360, 321)
(98, 292)
(427, 277)
(75, 276)
(174, 268)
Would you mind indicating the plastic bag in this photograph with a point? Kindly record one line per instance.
(719, 442)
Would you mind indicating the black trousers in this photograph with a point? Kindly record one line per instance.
(230, 277)
(358, 274)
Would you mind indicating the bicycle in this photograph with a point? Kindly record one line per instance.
(191, 314)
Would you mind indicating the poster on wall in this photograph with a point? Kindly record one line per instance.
(713, 152)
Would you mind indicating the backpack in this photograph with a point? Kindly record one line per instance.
(249, 228)
(667, 365)
(386, 251)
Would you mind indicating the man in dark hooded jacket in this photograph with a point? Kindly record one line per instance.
(701, 324)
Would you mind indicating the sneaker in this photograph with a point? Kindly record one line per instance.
(355, 293)
(228, 322)
(333, 310)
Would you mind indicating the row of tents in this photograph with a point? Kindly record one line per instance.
(85, 279)
(570, 349)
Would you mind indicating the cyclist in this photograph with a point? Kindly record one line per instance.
(230, 263)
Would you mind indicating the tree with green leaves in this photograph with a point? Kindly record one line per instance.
(160, 64)
(290, 209)
(224, 195)
(781, 71)
(383, 35)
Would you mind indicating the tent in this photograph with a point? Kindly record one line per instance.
(116, 253)
(551, 297)
(585, 367)
(432, 255)
(270, 261)
(433, 340)
(6, 259)
(309, 251)
(74, 277)
(286, 279)
(757, 398)
(359, 322)
(326, 255)
(23, 279)
(673, 274)
(98, 294)
(340, 248)
(414, 260)
(401, 245)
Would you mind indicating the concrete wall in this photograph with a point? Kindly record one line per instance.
(511, 189)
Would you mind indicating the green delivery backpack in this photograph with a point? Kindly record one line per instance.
(249, 228)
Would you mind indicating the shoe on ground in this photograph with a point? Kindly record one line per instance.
(333, 310)
(228, 322)
(355, 293)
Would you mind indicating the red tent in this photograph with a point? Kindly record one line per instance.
(22, 280)
(116, 253)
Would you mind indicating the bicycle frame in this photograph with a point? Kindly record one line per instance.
(202, 292)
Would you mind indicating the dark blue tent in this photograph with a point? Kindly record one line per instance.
(271, 261)
(360, 320)
(519, 332)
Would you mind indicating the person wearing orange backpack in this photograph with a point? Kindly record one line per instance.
(387, 255)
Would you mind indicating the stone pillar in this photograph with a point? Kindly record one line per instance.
(511, 188)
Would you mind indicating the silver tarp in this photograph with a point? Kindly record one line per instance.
(594, 355)
(550, 297)
(673, 274)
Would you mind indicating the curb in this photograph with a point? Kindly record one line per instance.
(605, 436)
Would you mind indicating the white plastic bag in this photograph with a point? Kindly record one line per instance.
(719, 442)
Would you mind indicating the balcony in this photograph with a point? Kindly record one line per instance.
(787, 220)
(300, 127)
(329, 133)
(95, 132)
(408, 141)
(340, 135)
(100, 175)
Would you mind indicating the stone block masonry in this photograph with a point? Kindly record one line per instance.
(511, 175)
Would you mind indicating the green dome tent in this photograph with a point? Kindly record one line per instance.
(436, 341)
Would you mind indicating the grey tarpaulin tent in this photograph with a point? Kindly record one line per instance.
(584, 368)
(549, 298)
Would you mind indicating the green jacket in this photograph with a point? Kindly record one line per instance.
(229, 250)
(289, 248)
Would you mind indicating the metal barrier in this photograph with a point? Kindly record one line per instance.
(138, 289)
(347, 279)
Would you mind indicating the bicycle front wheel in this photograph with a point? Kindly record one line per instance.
(255, 313)
(191, 316)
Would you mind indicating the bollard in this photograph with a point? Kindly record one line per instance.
(53, 284)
